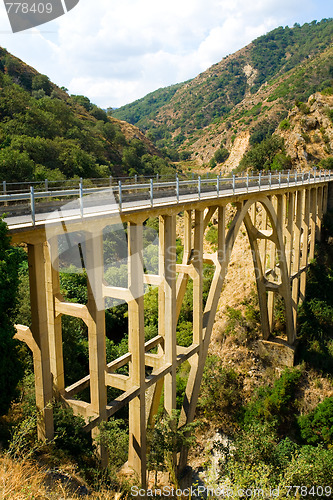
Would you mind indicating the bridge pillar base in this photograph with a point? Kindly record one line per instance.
(278, 351)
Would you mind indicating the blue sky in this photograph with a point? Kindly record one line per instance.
(117, 51)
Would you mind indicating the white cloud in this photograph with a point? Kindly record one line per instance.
(115, 52)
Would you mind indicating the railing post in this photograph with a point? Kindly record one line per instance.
(295, 176)
(259, 180)
(314, 175)
(4, 189)
(218, 185)
(199, 187)
(233, 183)
(46, 182)
(288, 178)
(247, 182)
(270, 179)
(156, 177)
(177, 188)
(120, 193)
(110, 180)
(32, 205)
(280, 179)
(81, 197)
(135, 178)
(151, 192)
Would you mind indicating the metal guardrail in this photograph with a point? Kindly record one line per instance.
(39, 199)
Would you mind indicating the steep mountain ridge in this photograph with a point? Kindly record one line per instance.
(270, 104)
(261, 81)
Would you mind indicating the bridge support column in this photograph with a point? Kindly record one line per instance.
(320, 211)
(198, 279)
(297, 252)
(96, 330)
(168, 244)
(197, 361)
(290, 230)
(272, 266)
(313, 222)
(136, 345)
(39, 261)
(305, 245)
(54, 321)
(182, 279)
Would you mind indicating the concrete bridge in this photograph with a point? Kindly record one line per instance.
(282, 242)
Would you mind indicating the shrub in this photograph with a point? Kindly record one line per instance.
(285, 124)
(221, 155)
(261, 131)
(69, 434)
(276, 404)
(221, 391)
(312, 468)
(165, 439)
(281, 162)
(304, 108)
(327, 91)
(212, 235)
(326, 163)
(11, 370)
(261, 156)
(252, 461)
(317, 426)
(114, 437)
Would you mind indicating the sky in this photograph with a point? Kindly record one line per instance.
(116, 51)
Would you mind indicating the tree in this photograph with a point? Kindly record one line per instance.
(42, 82)
(11, 370)
(262, 155)
(15, 166)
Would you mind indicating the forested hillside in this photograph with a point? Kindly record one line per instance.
(259, 82)
(45, 133)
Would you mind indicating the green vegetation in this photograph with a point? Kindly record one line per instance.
(315, 317)
(317, 427)
(269, 154)
(221, 392)
(276, 404)
(284, 48)
(261, 460)
(285, 124)
(11, 370)
(164, 441)
(220, 156)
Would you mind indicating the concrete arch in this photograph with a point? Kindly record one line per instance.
(263, 284)
(221, 262)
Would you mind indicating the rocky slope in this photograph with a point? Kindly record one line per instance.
(308, 132)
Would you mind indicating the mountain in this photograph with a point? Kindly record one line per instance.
(249, 92)
(46, 133)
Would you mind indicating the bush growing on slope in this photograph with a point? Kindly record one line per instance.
(10, 366)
